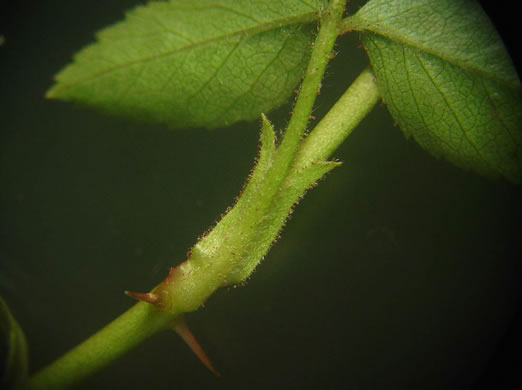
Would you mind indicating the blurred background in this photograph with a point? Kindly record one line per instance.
(397, 271)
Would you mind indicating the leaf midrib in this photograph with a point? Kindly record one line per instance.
(431, 51)
(247, 32)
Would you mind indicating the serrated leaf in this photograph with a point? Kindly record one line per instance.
(188, 63)
(14, 349)
(447, 80)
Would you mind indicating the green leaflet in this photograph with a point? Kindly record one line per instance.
(194, 63)
(447, 80)
(14, 352)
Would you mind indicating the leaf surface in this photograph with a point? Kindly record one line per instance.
(201, 63)
(447, 80)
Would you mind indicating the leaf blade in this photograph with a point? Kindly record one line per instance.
(205, 64)
(463, 105)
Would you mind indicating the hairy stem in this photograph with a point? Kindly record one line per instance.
(214, 259)
(338, 123)
(348, 24)
(331, 17)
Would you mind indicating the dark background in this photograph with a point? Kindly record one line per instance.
(398, 271)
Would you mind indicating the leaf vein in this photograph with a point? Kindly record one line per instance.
(213, 75)
(262, 27)
(451, 110)
(255, 81)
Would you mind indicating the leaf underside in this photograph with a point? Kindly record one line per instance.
(447, 80)
(188, 63)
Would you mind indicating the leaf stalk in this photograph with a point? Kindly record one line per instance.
(214, 259)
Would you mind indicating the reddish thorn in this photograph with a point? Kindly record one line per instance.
(171, 273)
(145, 297)
(181, 328)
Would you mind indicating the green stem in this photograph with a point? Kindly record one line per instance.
(330, 19)
(338, 123)
(202, 273)
(351, 23)
(121, 335)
